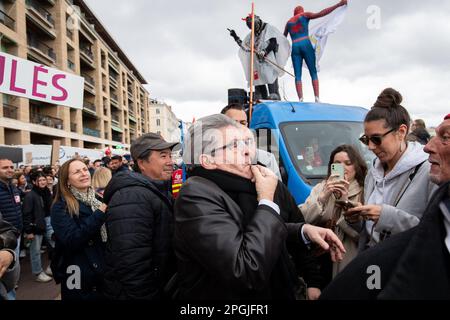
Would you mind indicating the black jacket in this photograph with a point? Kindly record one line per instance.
(122, 168)
(139, 255)
(221, 256)
(10, 206)
(78, 242)
(414, 264)
(34, 211)
(8, 235)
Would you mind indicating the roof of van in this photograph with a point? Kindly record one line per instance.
(283, 111)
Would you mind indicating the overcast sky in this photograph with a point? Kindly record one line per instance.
(185, 53)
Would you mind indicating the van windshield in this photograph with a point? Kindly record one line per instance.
(310, 144)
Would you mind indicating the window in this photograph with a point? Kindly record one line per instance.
(158, 132)
(157, 111)
(158, 122)
(311, 143)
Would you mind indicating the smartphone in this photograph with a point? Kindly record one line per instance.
(345, 204)
(338, 170)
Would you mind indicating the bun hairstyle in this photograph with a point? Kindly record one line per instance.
(388, 107)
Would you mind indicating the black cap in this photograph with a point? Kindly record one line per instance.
(149, 141)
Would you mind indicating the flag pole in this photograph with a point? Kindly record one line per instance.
(252, 51)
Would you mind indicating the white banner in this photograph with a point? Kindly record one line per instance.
(40, 155)
(23, 78)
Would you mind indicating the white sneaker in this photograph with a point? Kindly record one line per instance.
(23, 253)
(317, 99)
(42, 277)
(48, 271)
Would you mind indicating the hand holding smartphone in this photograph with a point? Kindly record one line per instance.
(345, 204)
(337, 169)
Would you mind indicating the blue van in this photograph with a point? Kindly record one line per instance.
(302, 136)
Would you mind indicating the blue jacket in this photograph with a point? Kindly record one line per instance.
(78, 243)
(10, 206)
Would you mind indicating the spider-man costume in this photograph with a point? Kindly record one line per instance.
(302, 49)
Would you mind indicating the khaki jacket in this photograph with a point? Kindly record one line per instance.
(330, 216)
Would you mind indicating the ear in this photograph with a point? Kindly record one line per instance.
(207, 162)
(139, 163)
(403, 131)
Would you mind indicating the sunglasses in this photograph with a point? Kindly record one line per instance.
(376, 139)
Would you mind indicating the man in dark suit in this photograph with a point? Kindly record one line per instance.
(414, 264)
(234, 222)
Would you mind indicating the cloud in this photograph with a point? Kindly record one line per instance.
(185, 53)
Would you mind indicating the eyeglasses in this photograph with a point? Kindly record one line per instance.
(376, 139)
(235, 144)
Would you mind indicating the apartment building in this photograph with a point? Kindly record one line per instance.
(67, 35)
(164, 121)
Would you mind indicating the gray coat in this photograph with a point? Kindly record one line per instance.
(403, 200)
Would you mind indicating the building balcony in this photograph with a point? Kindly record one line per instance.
(89, 108)
(132, 116)
(114, 98)
(11, 112)
(71, 65)
(113, 66)
(117, 137)
(115, 120)
(88, 53)
(69, 34)
(7, 20)
(45, 120)
(91, 132)
(41, 49)
(89, 82)
(41, 17)
(113, 81)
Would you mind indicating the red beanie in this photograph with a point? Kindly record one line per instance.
(447, 117)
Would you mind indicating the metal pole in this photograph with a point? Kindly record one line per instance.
(252, 52)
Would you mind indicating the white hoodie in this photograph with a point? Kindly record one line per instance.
(401, 208)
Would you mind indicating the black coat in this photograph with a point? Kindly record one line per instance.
(8, 235)
(139, 255)
(10, 205)
(34, 211)
(78, 242)
(414, 264)
(221, 256)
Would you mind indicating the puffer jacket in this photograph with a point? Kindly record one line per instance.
(10, 205)
(139, 254)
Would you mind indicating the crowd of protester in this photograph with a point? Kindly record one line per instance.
(113, 230)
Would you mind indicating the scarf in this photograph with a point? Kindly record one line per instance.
(89, 199)
(240, 189)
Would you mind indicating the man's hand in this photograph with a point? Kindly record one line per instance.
(313, 293)
(265, 182)
(326, 239)
(343, 2)
(6, 258)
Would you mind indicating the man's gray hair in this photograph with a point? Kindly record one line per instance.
(203, 136)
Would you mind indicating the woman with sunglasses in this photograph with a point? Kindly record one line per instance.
(397, 188)
(322, 208)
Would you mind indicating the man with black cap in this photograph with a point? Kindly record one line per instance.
(139, 256)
